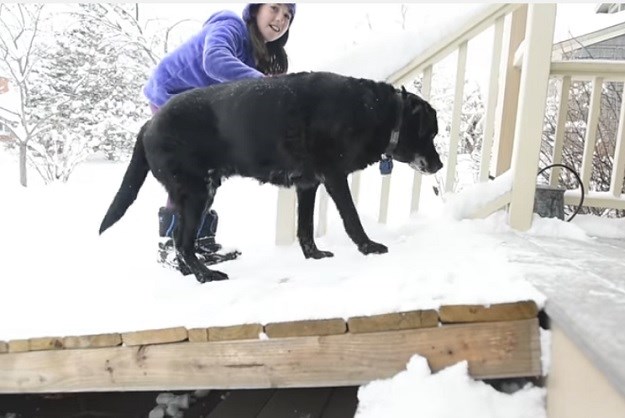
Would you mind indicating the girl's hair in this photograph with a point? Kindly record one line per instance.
(270, 57)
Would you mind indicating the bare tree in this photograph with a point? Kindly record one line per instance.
(19, 28)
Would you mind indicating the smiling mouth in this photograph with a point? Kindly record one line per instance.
(275, 28)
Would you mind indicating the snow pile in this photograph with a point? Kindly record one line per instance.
(473, 197)
(449, 393)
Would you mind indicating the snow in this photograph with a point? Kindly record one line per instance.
(449, 393)
(422, 31)
(80, 270)
(471, 198)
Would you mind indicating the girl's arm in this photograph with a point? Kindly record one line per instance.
(220, 58)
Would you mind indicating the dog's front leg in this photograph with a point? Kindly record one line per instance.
(339, 192)
(305, 229)
(191, 208)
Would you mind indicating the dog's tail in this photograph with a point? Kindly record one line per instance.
(135, 175)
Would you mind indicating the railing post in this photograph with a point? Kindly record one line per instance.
(535, 71)
(285, 219)
(509, 93)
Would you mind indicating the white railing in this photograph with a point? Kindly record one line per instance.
(597, 72)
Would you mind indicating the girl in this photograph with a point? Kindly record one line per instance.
(227, 48)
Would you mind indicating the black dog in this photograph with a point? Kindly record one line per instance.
(294, 130)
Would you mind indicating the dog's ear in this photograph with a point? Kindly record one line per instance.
(404, 93)
(427, 119)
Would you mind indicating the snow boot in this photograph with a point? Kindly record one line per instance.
(205, 246)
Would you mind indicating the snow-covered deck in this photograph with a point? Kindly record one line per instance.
(84, 284)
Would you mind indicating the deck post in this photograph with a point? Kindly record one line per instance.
(535, 71)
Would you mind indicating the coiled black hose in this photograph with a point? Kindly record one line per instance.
(581, 186)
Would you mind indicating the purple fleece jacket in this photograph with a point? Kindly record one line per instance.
(220, 52)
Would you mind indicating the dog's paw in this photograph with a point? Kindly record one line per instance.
(211, 276)
(318, 254)
(372, 248)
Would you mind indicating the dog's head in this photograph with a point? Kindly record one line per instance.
(416, 139)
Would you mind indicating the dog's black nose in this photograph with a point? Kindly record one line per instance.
(437, 165)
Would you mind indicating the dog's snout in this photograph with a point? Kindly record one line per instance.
(436, 165)
(425, 165)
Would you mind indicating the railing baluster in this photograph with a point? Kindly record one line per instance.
(563, 109)
(355, 189)
(285, 218)
(385, 191)
(493, 92)
(322, 221)
(618, 168)
(454, 136)
(426, 91)
(590, 139)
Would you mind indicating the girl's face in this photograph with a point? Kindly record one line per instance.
(273, 20)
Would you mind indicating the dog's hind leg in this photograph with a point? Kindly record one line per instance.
(191, 210)
(337, 187)
(305, 214)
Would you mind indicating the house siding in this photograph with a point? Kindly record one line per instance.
(610, 49)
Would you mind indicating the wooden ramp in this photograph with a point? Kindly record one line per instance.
(500, 341)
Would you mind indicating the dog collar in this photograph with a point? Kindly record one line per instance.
(392, 143)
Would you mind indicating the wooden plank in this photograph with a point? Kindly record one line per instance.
(92, 341)
(155, 336)
(393, 321)
(18, 346)
(45, 343)
(342, 403)
(4, 347)
(236, 332)
(242, 404)
(493, 350)
(493, 313)
(306, 328)
(296, 403)
(198, 335)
